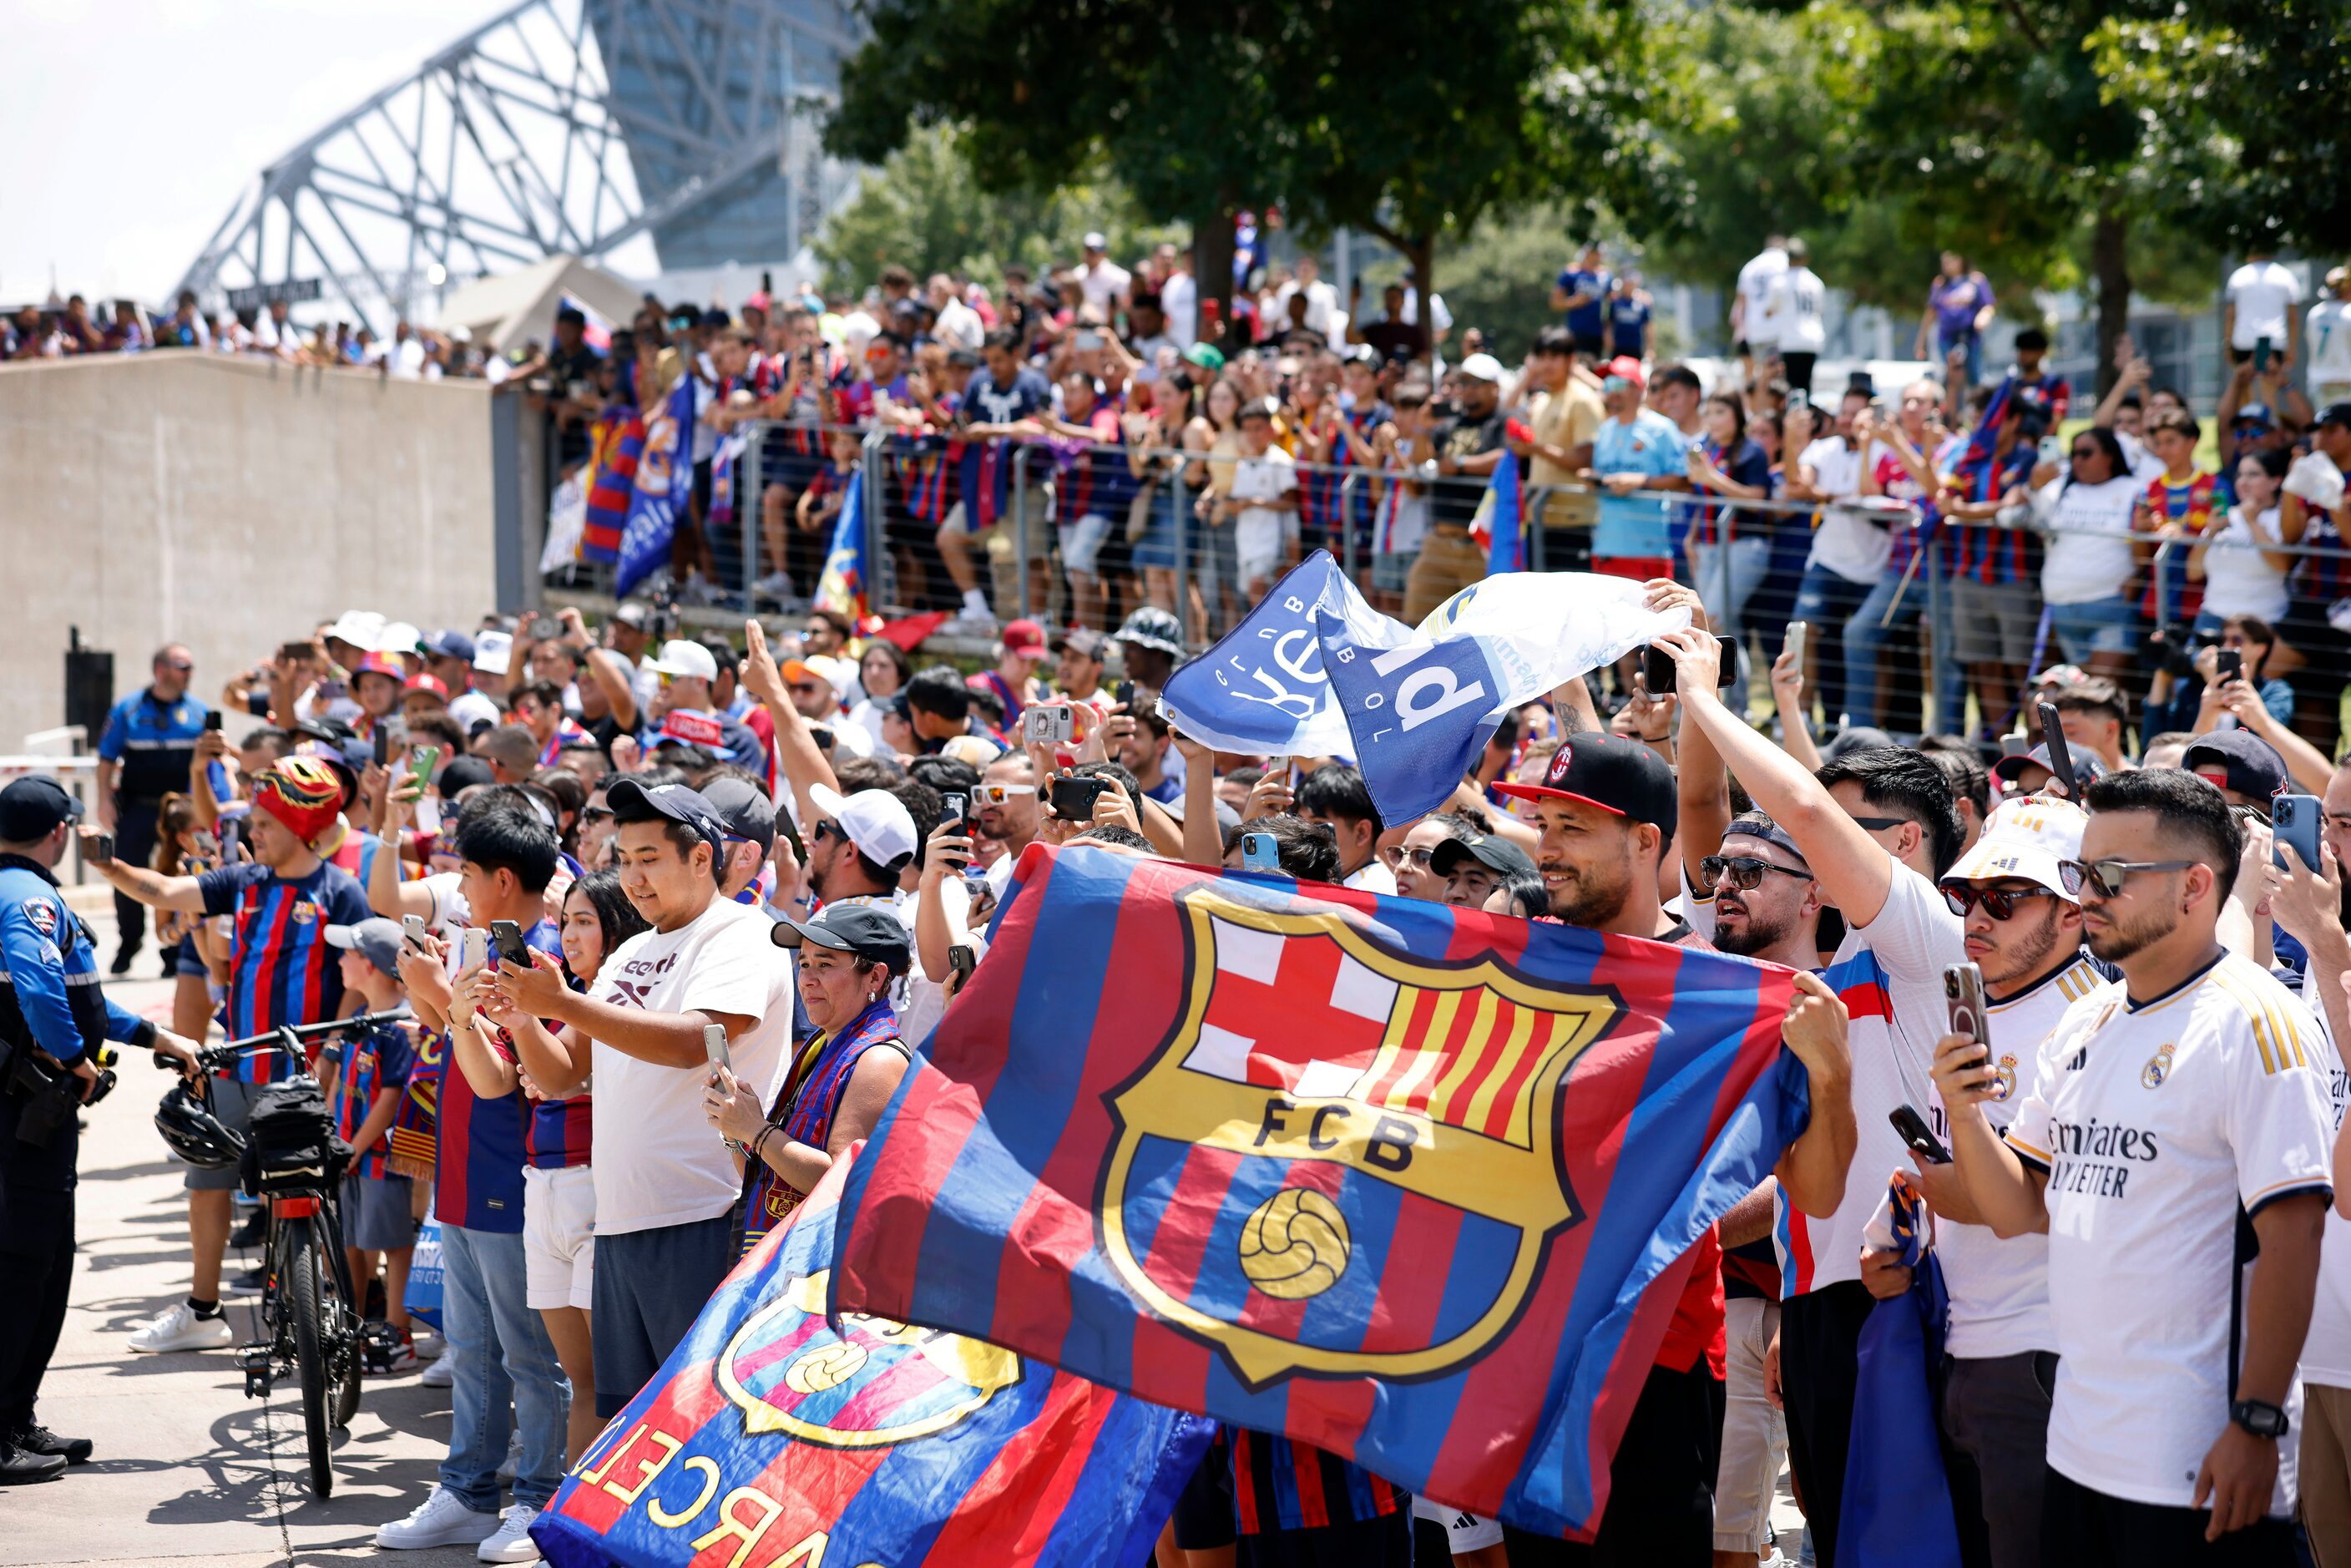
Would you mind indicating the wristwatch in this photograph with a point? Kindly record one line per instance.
(2258, 1417)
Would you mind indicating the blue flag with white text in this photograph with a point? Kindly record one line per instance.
(1314, 670)
(664, 483)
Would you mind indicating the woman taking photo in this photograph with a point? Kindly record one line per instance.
(882, 671)
(1730, 547)
(841, 1079)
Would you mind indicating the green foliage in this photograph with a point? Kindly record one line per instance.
(1499, 278)
(924, 209)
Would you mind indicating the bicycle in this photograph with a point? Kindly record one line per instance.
(309, 1314)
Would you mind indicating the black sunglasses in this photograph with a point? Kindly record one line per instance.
(2105, 878)
(1746, 871)
(1880, 824)
(2000, 903)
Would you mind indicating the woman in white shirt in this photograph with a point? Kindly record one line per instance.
(2086, 576)
(2242, 576)
(882, 671)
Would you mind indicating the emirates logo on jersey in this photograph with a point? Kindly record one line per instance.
(2158, 1068)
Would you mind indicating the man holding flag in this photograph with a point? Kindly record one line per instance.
(665, 482)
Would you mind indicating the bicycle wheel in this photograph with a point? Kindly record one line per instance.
(342, 1320)
(304, 1306)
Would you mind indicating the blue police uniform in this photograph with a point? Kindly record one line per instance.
(152, 742)
(49, 1001)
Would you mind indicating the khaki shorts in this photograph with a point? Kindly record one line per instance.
(1755, 1434)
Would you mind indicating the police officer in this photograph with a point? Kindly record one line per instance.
(144, 753)
(53, 1019)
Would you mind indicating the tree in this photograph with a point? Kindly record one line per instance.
(919, 209)
(1410, 122)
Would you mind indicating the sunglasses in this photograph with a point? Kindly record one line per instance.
(2080, 452)
(1001, 794)
(2104, 879)
(596, 814)
(1880, 824)
(182, 665)
(1397, 857)
(2000, 903)
(1746, 871)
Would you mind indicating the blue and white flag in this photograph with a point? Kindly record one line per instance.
(665, 482)
(1314, 670)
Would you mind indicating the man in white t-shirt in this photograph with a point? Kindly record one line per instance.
(1262, 502)
(1751, 322)
(2259, 308)
(1335, 795)
(1101, 281)
(2326, 333)
(959, 326)
(2170, 1112)
(1322, 299)
(1849, 549)
(665, 1184)
(1795, 316)
(1877, 827)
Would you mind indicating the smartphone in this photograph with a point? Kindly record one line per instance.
(823, 736)
(953, 807)
(1657, 671)
(382, 745)
(2262, 349)
(2060, 756)
(961, 961)
(213, 719)
(1963, 998)
(294, 653)
(2015, 745)
(1260, 853)
(2295, 819)
(714, 1046)
(98, 849)
(506, 937)
(2229, 665)
(1726, 648)
(411, 929)
(1919, 1136)
(474, 951)
(1045, 726)
(1073, 799)
(421, 762)
(1125, 694)
(1799, 633)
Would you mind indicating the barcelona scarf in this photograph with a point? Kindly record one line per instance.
(809, 1098)
(1416, 1185)
(619, 442)
(772, 1436)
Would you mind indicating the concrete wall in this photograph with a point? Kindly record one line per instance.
(227, 505)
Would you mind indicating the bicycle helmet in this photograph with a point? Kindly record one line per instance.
(194, 1133)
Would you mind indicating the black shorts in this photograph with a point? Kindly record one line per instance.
(1205, 1518)
(2085, 1528)
(1660, 1511)
(1382, 1542)
(1591, 348)
(1820, 1363)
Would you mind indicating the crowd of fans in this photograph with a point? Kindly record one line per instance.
(670, 914)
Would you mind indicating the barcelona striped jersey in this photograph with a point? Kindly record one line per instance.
(373, 1060)
(2169, 595)
(281, 970)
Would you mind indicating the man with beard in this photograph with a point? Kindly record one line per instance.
(1606, 808)
(2169, 1112)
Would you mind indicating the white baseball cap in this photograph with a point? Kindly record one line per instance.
(1482, 368)
(492, 651)
(2026, 837)
(683, 658)
(359, 628)
(398, 637)
(876, 821)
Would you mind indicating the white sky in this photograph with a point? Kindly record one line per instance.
(128, 128)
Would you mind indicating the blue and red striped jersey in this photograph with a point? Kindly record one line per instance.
(1991, 555)
(2321, 579)
(558, 1135)
(372, 1062)
(2169, 595)
(1281, 1485)
(281, 970)
(478, 1157)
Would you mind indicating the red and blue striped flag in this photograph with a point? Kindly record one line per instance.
(1501, 522)
(772, 1437)
(620, 442)
(846, 582)
(1416, 1185)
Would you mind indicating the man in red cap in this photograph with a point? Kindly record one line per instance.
(281, 971)
(1607, 807)
(1017, 657)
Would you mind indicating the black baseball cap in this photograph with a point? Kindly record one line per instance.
(859, 928)
(1491, 850)
(32, 807)
(677, 802)
(2244, 761)
(2332, 413)
(1610, 771)
(746, 809)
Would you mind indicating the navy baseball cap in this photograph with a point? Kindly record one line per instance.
(31, 809)
(1491, 850)
(746, 810)
(677, 802)
(447, 644)
(1610, 771)
(2237, 759)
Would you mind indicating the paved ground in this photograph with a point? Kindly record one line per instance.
(189, 1472)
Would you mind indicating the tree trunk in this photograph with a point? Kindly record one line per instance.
(2110, 265)
(1212, 271)
(1421, 252)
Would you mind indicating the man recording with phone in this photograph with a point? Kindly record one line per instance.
(54, 1023)
(2167, 1112)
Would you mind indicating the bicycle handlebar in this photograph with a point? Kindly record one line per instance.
(287, 1035)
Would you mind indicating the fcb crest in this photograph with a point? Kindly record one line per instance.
(873, 1383)
(1329, 1122)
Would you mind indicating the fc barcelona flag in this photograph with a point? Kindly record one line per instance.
(774, 1437)
(1412, 1184)
(664, 484)
(846, 582)
(620, 442)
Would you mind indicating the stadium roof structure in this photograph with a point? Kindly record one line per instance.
(642, 135)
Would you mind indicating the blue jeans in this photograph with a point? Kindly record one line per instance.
(1865, 640)
(2097, 626)
(1737, 567)
(1825, 602)
(504, 1357)
(1946, 342)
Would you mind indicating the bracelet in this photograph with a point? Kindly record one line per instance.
(756, 1144)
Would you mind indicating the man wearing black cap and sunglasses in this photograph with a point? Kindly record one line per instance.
(1607, 807)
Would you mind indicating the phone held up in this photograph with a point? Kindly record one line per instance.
(1259, 853)
(1047, 726)
(2061, 756)
(1073, 799)
(506, 937)
(1963, 996)
(2294, 821)
(1657, 674)
(1919, 1136)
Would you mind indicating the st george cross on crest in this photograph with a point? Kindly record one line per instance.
(1342, 1160)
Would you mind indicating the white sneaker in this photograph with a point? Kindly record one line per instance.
(439, 1374)
(970, 625)
(181, 1329)
(429, 1346)
(512, 1543)
(441, 1520)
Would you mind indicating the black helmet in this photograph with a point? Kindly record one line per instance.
(186, 1121)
